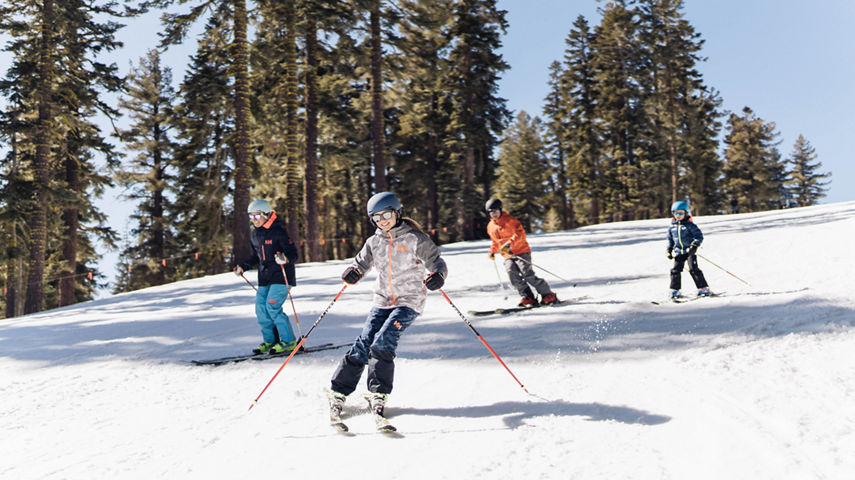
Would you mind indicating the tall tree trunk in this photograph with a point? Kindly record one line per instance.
(293, 162)
(313, 247)
(13, 275)
(672, 154)
(240, 54)
(71, 221)
(377, 125)
(568, 217)
(467, 217)
(38, 223)
(433, 167)
(158, 247)
(14, 265)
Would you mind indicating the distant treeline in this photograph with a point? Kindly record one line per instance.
(315, 105)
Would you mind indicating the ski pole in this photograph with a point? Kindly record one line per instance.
(247, 281)
(293, 308)
(499, 276)
(469, 324)
(725, 271)
(545, 270)
(299, 345)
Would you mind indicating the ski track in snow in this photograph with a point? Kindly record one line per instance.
(757, 383)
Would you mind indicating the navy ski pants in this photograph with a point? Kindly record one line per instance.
(374, 347)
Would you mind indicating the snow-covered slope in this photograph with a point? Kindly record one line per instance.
(756, 384)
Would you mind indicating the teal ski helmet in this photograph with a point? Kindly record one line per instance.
(259, 205)
(681, 205)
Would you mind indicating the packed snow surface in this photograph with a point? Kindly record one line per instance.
(755, 384)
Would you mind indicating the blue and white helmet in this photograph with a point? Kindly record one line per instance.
(681, 205)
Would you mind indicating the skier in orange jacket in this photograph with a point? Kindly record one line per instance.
(509, 240)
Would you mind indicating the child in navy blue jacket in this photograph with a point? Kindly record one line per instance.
(684, 238)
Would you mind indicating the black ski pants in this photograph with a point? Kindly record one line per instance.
(694, 271)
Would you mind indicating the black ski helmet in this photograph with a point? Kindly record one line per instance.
(384, 201)
(493, 204)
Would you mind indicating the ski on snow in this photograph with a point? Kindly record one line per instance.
(501, 311)
(335, 416)
(686, 299)
(381, 423)
(267, 356)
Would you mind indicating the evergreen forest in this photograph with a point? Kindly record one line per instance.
(315, 105)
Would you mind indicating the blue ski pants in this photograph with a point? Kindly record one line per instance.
(268, 309)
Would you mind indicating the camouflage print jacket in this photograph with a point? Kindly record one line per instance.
(402, 257)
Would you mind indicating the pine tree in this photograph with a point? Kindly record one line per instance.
(418, 153)
(753, 171)
(477, 114)
(322, 18)
(681, 110)
(617, 62)
(15, 190)
(344, 147)
(554, 136)
(148, 174)
(58, 81)
(805, 184)
(577, 111)
(523, 171)
(203, 123)
(378, 134)
(313, 247)
(220, 13)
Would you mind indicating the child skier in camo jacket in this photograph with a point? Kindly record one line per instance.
(401, 253)
(684, 238)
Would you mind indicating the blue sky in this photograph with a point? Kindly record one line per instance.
(791, 62)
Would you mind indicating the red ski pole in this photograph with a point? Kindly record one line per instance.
(297, 348)
(247, 281)
(482, 339)
(293, 308)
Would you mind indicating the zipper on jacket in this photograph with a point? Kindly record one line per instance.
(391, 249)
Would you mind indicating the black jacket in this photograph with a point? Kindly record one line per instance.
(266, 241)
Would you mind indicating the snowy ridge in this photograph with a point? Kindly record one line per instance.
(756, 384)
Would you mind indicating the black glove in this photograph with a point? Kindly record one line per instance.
(669, 254)
(351, 275)
(693, 248)
(434, 281)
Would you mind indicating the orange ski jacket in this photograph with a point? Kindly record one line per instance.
(507, 229)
